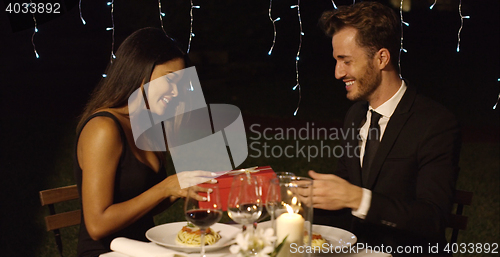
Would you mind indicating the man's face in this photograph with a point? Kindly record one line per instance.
(353, 66)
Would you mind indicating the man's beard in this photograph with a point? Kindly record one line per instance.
(367, 84)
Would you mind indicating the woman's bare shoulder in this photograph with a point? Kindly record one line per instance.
(101, 130)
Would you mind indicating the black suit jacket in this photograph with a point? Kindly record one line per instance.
(412, 178)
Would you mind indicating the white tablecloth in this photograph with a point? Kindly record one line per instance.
(225, 252)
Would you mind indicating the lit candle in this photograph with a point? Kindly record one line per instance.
(292, 225)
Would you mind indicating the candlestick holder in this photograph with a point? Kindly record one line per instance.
(293, 213)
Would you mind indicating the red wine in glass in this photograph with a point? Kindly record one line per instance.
(203, 218)
(203, 212)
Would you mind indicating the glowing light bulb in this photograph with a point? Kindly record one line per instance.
(432, 6)
(80, 10)
(334, 5)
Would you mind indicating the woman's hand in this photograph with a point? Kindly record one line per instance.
(177, 185)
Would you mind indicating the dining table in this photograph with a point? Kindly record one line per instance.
(141, 248)
(225, 252)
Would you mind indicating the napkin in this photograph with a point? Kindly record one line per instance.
(136, 248)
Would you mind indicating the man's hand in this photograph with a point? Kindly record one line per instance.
(331, 192)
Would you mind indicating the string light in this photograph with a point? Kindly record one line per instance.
(274, 26)
(34, 32)
(80, 9)
(112, 28)
(432, 6)
(494, 107)
(297, 58)
(461, 24)
(334, 5)
(402, 48)
(162, 14)
(191, 34)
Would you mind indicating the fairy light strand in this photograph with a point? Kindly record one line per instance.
(191, 34)
(495, 106)
(112, 4)
(112, 28)
(297, 58)
(34, 32)
(162, 14)
(80, 9)
(402, 49)
(432, 6)
(461, 23)
(274, 26)
(334, 5)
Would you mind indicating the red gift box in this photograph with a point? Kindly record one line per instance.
(264, 174)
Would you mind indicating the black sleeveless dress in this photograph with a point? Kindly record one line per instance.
(132, 178)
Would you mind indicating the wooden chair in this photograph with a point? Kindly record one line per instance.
(458, 221)
(54, 221)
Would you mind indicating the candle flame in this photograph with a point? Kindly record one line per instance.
(289, 209)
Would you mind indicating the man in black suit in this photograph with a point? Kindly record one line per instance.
(399, 187)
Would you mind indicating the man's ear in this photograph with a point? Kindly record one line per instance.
(383, 58)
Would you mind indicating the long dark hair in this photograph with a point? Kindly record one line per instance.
(135, 60)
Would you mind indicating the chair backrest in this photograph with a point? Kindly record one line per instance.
(458, 221)
(54, 221)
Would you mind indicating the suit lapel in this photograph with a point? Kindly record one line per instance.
(396, 123)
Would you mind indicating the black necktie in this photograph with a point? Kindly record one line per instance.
(372, 142)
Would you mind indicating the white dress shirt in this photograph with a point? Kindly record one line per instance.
(386, 110)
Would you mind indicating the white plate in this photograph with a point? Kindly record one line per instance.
(334, 236)
(165, 235)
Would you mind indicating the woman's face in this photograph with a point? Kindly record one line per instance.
(163, 86)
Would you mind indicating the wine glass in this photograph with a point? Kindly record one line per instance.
(273, 194)
(244, 200)
(284, 173)
(203, 213)
(263, 184)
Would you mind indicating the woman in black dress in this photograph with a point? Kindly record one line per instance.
(119, 183)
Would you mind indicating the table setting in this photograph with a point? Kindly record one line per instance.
(247, 195)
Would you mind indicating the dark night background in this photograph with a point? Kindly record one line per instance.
(43, 97)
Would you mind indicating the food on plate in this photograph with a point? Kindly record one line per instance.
(316, 239)
(191, 235)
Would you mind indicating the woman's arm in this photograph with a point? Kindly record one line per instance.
(98, 151)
